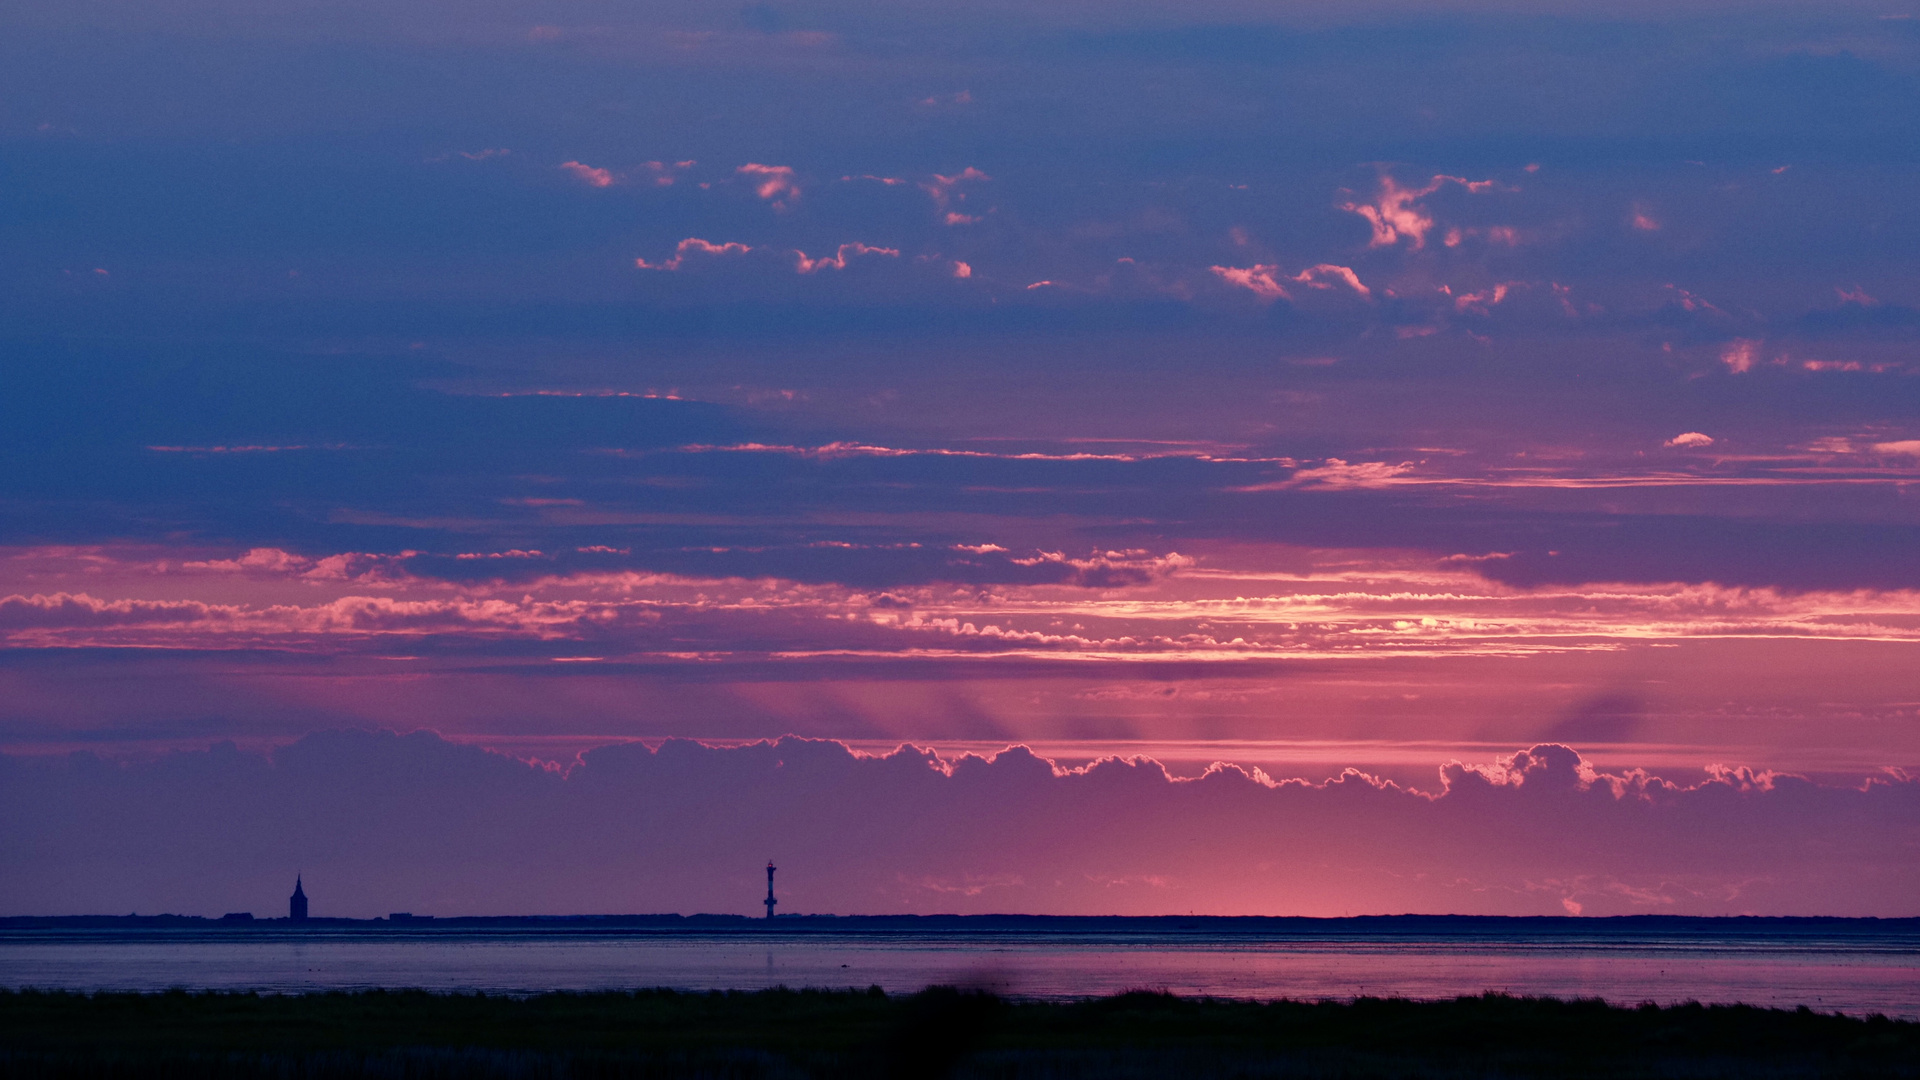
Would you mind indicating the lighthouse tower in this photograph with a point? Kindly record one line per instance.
(770, 900)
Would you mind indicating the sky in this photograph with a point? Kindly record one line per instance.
(1251, 458)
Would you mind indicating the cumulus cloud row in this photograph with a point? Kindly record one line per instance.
(695, 246)
(1411, 302)
(379, 822)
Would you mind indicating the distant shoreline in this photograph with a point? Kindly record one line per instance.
(1282, 926)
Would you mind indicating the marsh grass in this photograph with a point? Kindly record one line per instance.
(941, 1032)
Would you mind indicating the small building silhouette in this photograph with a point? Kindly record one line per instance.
(297, 903)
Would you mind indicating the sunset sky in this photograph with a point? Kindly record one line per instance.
(1373, 457)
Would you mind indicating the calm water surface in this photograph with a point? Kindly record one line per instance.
(1845, 974)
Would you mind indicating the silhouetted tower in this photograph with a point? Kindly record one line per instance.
(770, 900)
(297, 903)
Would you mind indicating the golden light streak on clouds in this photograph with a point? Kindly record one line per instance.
(1177, 608)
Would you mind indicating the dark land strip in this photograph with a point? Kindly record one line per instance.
(940, 1032)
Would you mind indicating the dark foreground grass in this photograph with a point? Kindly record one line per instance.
(938, 1033)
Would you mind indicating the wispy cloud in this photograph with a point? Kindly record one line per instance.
(236, 449)
(830, 451)
(472, 155)
(666, 172)
(1128, 606)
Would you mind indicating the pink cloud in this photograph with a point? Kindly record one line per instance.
(1154, 606)
(589, 175)
(1642, 219)
(962, 270)
(1264, 279)
(1690, 439)
(1503, 235)
(1258, 279)
(1395, 214)
(1689, 301)
(1480, 302)
(75, 619)
(854, 449)
(1337, 475)
(775, 184)
(1564, 294)
(945, 191)
(358, 567)
(1739, 356)
(1312, 277)
(665, 173)
(838, 260)
(265, 560)
(80, 610)
(693, 245)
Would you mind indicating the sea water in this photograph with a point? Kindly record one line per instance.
(1851, 973)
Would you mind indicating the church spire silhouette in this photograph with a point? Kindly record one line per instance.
(297, 903)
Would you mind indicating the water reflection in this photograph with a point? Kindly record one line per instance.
(1853, 975)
